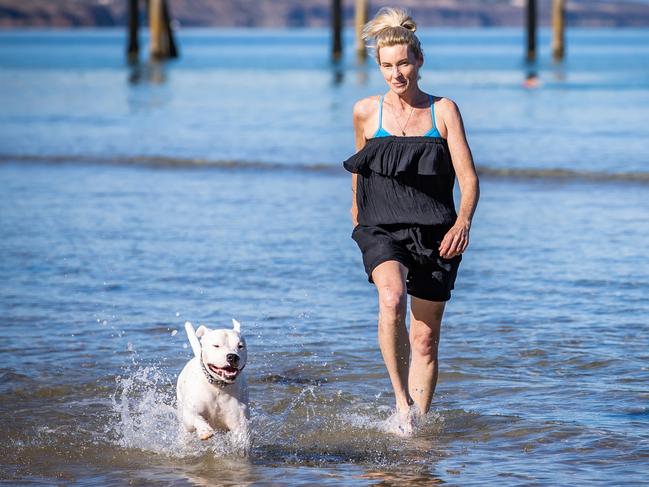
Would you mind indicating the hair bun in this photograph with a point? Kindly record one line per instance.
(409, 24)
(388, 18)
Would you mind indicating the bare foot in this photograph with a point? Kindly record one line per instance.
(401, 423)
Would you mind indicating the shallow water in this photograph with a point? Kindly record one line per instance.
(134, 199)
(543, 353)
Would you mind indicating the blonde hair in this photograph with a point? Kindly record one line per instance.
(390, 27)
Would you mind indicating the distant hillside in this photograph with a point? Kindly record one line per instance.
(312, 13)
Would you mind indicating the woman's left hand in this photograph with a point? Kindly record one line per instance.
(455, 241)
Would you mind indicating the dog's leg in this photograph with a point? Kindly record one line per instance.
(238, 424)
(195, 422)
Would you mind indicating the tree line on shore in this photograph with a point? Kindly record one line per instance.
(316, 13)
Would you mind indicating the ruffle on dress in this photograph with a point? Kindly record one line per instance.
(402, 156)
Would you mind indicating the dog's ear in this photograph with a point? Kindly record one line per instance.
(202, 330)
(237, 325)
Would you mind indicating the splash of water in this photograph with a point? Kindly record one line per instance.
(144, 412)
(144, 407)
(388, 420)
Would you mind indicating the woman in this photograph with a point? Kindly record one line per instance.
(410, 145)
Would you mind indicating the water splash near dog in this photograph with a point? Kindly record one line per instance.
(145, 417)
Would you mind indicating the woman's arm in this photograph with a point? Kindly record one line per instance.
(456, 239)
(362, 110)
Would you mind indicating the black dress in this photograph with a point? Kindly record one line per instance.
(404, 196)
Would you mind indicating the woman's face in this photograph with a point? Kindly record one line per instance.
(400, 67)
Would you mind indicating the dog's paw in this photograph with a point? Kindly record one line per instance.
(205, 433)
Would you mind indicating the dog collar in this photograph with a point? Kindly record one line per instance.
(210, 378)
(213, 380)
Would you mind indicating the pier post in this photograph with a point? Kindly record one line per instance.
(336, 30)
(162, 43)
(361, 14)
(166, 19)
(558, 27)
(155, 29)
(531, 30)
(133, 48)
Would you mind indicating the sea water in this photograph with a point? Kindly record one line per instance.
(274, 96)
(136, 198)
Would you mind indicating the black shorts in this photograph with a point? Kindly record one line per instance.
(430, 276)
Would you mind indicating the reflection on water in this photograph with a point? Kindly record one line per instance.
(338, 73)
(151, 72)
(403, 479)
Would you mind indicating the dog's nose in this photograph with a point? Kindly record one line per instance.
(233, 359)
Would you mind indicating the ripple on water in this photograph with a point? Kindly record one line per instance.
(539, 379)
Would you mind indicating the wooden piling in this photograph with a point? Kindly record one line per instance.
(361, 13)
(155, 29)
(531, 30)
(161, 43)
(336, 30)
(558, 27)
(133, 48)
(166, 18)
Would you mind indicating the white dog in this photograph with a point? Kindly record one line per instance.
(212, 392)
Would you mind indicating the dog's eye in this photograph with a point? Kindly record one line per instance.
(216, 346)
(240, 346)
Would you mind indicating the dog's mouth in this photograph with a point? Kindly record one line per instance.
(226, 374)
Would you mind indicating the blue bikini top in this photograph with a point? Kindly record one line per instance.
(381, 132)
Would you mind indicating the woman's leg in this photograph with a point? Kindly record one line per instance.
(390, 280)
(425, 324)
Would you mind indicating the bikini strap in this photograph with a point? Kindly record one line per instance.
(380, 113)
(432, 111)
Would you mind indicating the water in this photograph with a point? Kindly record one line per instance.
(272, 96)
(543, 354)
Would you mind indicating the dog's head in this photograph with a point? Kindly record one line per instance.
(224, 352)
